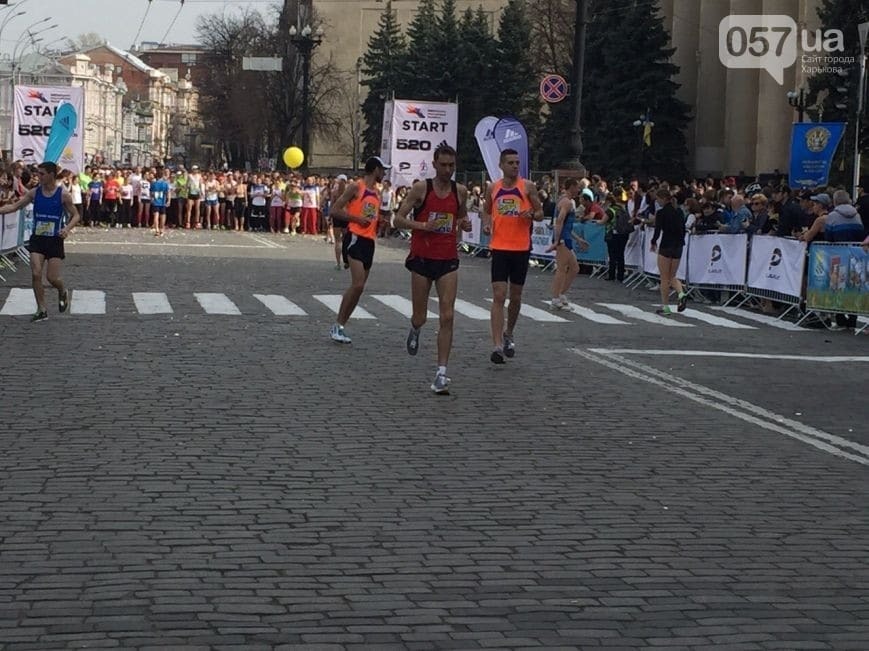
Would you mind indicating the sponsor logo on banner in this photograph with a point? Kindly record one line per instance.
(718, 259)
(511, 136)
(776, 264)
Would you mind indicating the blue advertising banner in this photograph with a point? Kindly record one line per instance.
(813, 145)
(594, 235)
(510, 134)
(838, 278)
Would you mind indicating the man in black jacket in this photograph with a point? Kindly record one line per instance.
(791, 216)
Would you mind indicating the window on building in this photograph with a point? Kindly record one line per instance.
(189, 58)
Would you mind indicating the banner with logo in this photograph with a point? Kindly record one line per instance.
(594, 235)
(541, 239)
(838, 278)
(484, 133)
(473, 236)
(650, 260)
(10, 231)
(634, 250)
(510, 134)
(417, 129)
(776, 264)
(717, 259)
(813, 145)
(35, 108)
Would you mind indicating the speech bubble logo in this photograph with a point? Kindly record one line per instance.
(768, 42)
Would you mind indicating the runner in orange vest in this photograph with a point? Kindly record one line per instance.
(359, 205)
(511, 205)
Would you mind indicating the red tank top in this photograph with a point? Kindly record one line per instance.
(439, 243)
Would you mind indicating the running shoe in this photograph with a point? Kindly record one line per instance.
(338, 335)
(497, 356)
(683, 301)
(664, 311)
(63, 301)
(441, 385)
(412, 341)
(509, 346)
(39, 316)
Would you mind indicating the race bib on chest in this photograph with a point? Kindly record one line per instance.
(508, 206)
(45, 228)
(443, 222)
(369, 210)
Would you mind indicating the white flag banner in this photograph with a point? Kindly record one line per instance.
(718, 259)
(484, 133)
(776, 264)
(9, 237)
(386, 132)
(541, 239)
(473, 236)
(35, 107)
(417, 130)
(634, 250)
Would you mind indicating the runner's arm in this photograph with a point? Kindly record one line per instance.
(18, 205)
(486, 217)
(72, 211)
(560, 216)
(413, 199)
(339, 210)
(536, 206)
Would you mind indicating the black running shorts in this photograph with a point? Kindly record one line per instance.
(510, 265)
(431, 269)
(47, 245)
(360, 248)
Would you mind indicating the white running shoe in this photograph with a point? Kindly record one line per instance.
(336, 332)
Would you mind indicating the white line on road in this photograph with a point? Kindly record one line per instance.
(264, 241)
(178, 244)
(536, 314)
(152, 303)
(596, 317)
(716, 400)
(715, 320)
(333, 302)
(470, 310)
(19, 302)
(761, 318)
(86, 301)
(641, 315)
(827, 359)
(400, 304)
(280, 305)
(217, 304)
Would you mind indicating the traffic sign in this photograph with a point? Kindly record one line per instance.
(553, 88)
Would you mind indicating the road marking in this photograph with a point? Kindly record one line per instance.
(716, 400)
(827, 359)
(177, 244)
(19, 302)
(152, 303)
(636, 313)
(333, 302)
(217, 304)
(264, 241)
(536, 314)
(280, 305)
(470, 310)
(86, 301)
(591, 315)
(400, 304)
(761, 318)
(715, 320)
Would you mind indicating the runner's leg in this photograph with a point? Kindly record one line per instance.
(37, 262)
(496, 316)
(447, 287)
(358, 278)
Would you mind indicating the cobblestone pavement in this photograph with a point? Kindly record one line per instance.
(196, 480)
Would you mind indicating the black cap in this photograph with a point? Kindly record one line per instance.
(373, 163)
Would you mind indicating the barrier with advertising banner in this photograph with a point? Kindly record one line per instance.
(596, 253)
(35, 107)
(838, 278)
(716, 259)
(472, 237)
(416, 129)
(12, 233)
(775, 267)
(541, 239)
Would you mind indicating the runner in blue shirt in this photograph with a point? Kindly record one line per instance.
(159, 200)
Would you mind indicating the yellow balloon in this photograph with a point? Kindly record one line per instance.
(293, 157)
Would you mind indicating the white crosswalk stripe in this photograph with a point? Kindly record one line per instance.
(596, 317)
(280, 305)
(217, 304)
(761, 318)
(711, 319)
(536, 314)
(333, 302)
(470, 310)
(87, 301)
(19, 302)
(634, 312)
(400, 304)
(152, 303)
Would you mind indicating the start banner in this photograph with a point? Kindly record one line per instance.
(35, 108)
(717, 259)
(415, 131)
(776, 264)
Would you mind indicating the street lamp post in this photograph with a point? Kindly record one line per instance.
(573, 162)
(305, 41)
(797, 99)
(863, 30)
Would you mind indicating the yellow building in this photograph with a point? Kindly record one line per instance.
(742, 119)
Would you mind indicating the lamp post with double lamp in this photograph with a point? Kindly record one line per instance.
(30, 35)
(573, 164)
(305, 41)
(797, 99)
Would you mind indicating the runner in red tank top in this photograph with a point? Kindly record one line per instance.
(439, 213)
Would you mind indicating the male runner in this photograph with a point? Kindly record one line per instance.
(359, 205)
(50, 202)
(439, 210)
(510, 206)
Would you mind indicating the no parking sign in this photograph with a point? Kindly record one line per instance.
(553, 88)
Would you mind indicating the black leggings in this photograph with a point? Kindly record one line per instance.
(616, 245)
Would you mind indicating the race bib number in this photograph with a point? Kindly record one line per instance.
(369, 211)
(44, 228)
(443, 222)
(508, 207)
